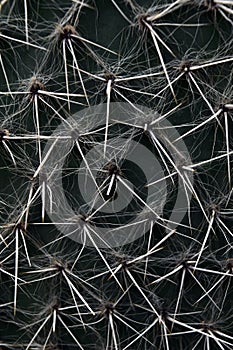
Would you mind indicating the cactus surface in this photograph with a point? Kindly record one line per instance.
(116, 121)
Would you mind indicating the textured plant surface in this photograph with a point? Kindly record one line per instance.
(116, 174)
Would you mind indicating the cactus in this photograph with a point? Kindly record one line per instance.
(116, 174)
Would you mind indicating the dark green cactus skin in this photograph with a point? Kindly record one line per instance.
(169, 288)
